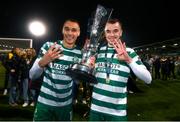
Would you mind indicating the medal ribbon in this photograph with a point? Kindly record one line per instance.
(108, 63)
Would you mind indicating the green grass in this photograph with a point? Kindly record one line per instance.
(158, 102)
(14, 113)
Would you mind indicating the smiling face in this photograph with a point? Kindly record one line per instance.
(71, 31)
(113, 31)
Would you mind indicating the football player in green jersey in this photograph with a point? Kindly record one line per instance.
(112, 66)
(55, 98)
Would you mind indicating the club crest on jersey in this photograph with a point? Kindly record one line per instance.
(75, 59)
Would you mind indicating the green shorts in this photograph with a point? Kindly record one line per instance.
(44, 113)
(96, 116)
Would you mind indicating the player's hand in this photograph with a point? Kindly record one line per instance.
(121, 51)
(92, 60)
(86, 44)
(53, 53)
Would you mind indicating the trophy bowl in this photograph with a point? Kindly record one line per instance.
(82, 73)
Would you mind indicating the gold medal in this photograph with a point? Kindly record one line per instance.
(107, 80)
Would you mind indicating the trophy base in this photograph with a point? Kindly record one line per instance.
(81, 73)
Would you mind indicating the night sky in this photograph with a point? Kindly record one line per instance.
(144, 21)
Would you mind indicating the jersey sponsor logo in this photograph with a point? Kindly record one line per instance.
(59, 66)
(112, 66)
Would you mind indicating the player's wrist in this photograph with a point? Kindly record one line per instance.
(129, 60)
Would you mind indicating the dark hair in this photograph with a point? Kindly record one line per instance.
(112, 21)
(72, 20)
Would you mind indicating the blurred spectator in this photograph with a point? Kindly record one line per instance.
(177, 63)
(164, 68)
(24, 76)
(172, 67)
(157, 67)
(5, 58)
(13, 67)
(34, 86)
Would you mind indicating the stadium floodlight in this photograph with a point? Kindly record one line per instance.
(37, 28)
(175, 44)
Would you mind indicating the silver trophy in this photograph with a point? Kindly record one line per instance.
(83, 71)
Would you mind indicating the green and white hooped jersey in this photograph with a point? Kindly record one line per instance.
(56, 89)
(111, 97)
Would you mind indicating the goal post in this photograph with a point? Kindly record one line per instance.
(7, 44)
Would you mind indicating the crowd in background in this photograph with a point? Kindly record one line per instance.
(163, 67)
(160, 67)
(17, 85)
